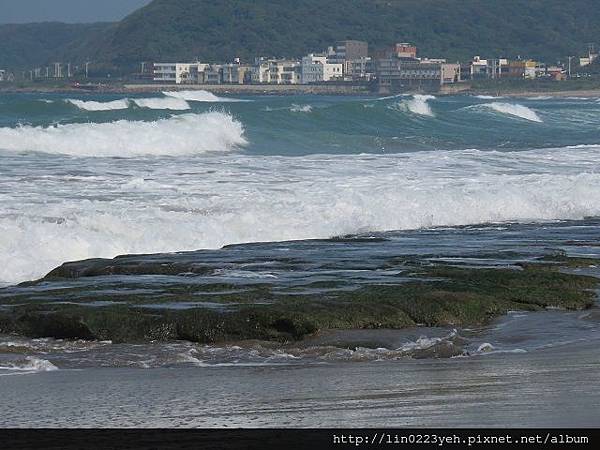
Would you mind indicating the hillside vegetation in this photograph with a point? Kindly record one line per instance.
(36, 44)
(212, 30)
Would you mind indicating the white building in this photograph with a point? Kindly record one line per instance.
(587, 60)
(276, 71)
(178, 73)
(213, 74)
(284, 71)
(479, 68)
(260, 72)
(317, 69)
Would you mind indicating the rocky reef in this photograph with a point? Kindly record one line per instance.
(174, 297)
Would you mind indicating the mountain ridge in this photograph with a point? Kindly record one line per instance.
(181, 30)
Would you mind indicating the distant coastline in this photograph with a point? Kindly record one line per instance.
(555, 90)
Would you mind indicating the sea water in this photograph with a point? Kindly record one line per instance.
(461, 177)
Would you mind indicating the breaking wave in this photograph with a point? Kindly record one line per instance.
(100, 106)
(211, 202)
(171, 103)
(418, 104)
(200, 96)
(179, 135)
(515, 110)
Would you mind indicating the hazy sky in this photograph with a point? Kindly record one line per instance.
(22, 11)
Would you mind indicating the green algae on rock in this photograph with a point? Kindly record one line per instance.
(433, 295)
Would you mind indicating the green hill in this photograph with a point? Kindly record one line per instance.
(212, 30)
(35, 44)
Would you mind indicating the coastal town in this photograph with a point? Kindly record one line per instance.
(398, 67)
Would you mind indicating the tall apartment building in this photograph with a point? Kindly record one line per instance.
(359, 69)
(317, 69)
(350, 50)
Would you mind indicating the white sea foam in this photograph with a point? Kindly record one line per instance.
(488, 97)
(170, 103)
(388, 97)
(418, 104)
(513, 109)
(301, 108)
(153, 205)
(178, 135)
(200, 96)
(29, 364)
(100, 106)
(486, 347)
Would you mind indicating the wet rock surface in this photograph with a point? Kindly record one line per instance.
(185, 296)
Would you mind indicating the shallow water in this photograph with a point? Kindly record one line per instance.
(552, 387)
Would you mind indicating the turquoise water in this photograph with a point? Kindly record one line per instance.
(85, 176)
(292, 126)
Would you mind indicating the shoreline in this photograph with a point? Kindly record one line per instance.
(583, 93)
(296, 90)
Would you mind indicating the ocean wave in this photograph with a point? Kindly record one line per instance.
(201, 96)
(212, 202)
(301, 108)
(418, 104)
(170, 103)
(488, 97)
(99, 106)
(178, 135)
(513, 109)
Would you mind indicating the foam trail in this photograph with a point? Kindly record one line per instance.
(388, 97)
(515, 110)
(174, 104)
(149, 206)
(100, 106)
(488, 97)
(179, 135)
(418, 104)
(200, 96)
